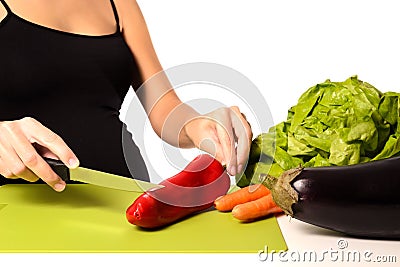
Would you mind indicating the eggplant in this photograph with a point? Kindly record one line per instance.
(361, 200)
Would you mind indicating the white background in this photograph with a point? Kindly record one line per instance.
(284, 47)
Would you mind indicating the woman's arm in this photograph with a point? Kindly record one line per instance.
(157, 97)
(174, 121)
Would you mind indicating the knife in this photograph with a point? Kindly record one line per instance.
(99, 178)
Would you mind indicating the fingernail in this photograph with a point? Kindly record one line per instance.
(232, 170)
(73, 163)
(240, 168)
(59, 187)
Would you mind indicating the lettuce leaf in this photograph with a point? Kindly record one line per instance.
(332, 124)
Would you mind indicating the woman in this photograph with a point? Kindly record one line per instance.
(65, 68)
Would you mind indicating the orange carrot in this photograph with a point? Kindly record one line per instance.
(243, 195)
(256, 209)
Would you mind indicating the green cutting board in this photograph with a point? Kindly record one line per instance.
(86, 218)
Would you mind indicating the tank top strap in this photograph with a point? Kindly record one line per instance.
(6, 6)
(115, 13)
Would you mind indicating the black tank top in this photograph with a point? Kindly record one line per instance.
(73, 84)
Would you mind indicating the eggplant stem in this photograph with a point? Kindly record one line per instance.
(282, 192)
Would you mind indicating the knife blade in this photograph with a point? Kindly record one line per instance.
(99, 178)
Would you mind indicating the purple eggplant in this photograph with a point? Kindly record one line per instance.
(361, 200)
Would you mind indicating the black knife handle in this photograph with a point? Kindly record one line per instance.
(59, 168)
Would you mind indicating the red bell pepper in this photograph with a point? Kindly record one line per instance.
(192, 190)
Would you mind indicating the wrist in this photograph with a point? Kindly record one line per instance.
(186, 138)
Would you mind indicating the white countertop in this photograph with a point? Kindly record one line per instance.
(312, 245)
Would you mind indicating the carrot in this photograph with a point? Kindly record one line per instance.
(243, 195)
(256, 209)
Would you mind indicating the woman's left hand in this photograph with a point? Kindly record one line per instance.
(224, 133)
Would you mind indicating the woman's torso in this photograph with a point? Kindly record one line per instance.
(72, 83)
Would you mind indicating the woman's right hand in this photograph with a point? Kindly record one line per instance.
(24, 143)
